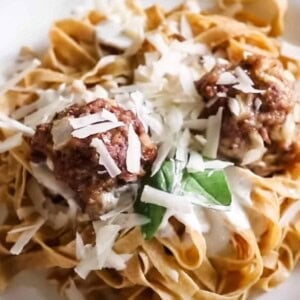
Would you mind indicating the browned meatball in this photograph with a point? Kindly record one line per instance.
(77, 163)
(264, 114)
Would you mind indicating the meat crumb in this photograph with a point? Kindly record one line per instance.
(265, 116)
(77, 163)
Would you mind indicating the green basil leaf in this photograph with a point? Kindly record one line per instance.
(190, 186)
(155, 213)
(208, 188)
(211, 184)
(163, 180)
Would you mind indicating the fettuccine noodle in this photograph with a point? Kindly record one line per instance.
(170, 266)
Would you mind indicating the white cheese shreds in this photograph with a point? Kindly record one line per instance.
(208, 62)
(26, 68)
(182, 146)
(195, 163)
(11, 142)
(36, 196)
(24, 110)
(105, 237)
(245, 83)
(288, 130)
(185, 28)
(162, 154)
(217, 164)
(79, 246)
(26, 236)
(121, 207)
(289, 50)
(8, 123)
(243, 76)
(84, 121)
(256, 152)
(197, 124)
(234, 106)
(58, 219)
(46, 113)
(111, 33)
(174, 119)
(45, 177)
(101, 255)
(158, 42)
(226, 78)
(117, 261)
(88, 263)
(105, 158)
(95, 129)
(61, 133)
(213, 132)
(130, 220)
(134, 152)
(72, 292)
(171, 201)
(109, 116)
(187, 79)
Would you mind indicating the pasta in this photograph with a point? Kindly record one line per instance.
(260, 243)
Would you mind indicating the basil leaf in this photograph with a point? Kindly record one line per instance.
(163, 180)
(208, 188)
(154, 212)
(211, 184)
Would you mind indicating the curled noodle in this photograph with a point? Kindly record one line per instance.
(173, 267)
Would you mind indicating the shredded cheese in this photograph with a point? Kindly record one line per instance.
(25, 237)
(26, 68)
(105, 158)
(61, 133)
(8, 123)
(213, 132)
(158, 197)
(134, 152)
(11, 142)
(105, 237)
(89, 119)
(95, 129)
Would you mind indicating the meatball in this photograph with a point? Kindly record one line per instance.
(259, 117)
(77, 163)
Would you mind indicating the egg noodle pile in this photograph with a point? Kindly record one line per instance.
(43, 234)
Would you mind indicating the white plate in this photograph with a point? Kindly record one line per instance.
(26, 22)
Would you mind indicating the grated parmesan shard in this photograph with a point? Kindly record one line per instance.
(95, 129)
(26, 68)
(11, 124)
(213, 133)
(134, 152)
(61, 133)
(105, 237)
(26, 236)
(11, 142)
(161, 198)
(105, 158)
(89, 119)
